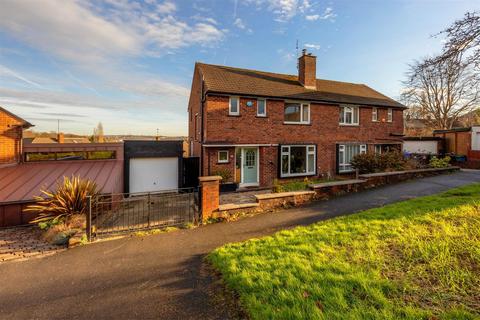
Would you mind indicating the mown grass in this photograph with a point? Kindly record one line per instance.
(417, 259)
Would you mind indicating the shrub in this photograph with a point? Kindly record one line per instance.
(63, 204)
(224, 173)
(439, 163)
(365, 162)
(392, 161)
(370, 162)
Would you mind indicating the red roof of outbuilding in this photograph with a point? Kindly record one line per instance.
(24, 181)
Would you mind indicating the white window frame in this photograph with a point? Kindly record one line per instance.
(374, 114)
(353, 110)
(378, 149)
(309, 171)
(230, 112)
(302, 105)
(218, 156)
(390, 115)
(341, 159)
(264, 114)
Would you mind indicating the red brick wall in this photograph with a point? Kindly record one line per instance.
(10, 139)
(211, 166)
(210, 196)
(324, 131)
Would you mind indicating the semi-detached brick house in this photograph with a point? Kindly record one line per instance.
(261, 126)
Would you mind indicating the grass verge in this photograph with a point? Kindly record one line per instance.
(417, 259)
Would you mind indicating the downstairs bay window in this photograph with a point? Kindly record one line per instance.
(346, 152)
(297, 160)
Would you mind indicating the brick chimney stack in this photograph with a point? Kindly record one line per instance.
(307, 70)
(60, 138)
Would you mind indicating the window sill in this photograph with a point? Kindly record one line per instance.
(297, 123)
(348, 125)
(223, 162)
(257, 116)
(297, 175)
(233, 115)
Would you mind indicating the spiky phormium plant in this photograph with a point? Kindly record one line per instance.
(69, 199)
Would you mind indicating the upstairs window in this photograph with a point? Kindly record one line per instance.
(261, 108)
(374, 114)
(234, 106)
(348, 115)
(390, 115)
(297, 113)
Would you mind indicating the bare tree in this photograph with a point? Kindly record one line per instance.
(463, 38)
(441, 90)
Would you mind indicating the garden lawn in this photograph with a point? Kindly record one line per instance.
(417, 259)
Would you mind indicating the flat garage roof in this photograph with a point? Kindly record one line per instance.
(24, 181)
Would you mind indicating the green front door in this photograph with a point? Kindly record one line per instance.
(250, 166)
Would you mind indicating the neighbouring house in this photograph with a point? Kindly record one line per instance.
(55, 138)
(422, 145)
(259, 126)
(461, 141)
(11, 134)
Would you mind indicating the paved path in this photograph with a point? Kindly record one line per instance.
(24, 243)
(158, 276)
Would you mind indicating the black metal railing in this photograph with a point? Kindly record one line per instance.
(124, 212)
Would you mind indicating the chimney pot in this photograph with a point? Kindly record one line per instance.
(61, 138)
(307, 70)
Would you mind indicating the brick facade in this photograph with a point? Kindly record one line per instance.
(324, 131)
(10, 139)
(218, 128)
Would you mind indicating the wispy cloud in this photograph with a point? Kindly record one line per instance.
(284, 10)
(312, 46)
(241, 25)
(328, 14)
(7, 72)
(87, 32)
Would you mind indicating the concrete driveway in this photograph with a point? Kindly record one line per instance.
(160, 276)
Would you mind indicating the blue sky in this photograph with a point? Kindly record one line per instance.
(129, 63)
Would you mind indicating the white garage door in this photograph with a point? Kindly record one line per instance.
(153, 174)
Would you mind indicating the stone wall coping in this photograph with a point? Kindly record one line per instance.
(209, 178)
(336, 183)
(235, 206)
(266, 196)
(392, 173)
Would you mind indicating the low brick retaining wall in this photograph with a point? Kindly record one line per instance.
(378, 179)
(327, 190)
(269, 201)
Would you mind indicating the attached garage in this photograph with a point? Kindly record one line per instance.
(152, 166)
(153, 174)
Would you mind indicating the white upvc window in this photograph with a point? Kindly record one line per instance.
(378, 149)
(296, 112)
(374, 114)
(390, 115)
(297, 160)
(223, 156)
(261, 107)
(349, 115)
(234, 106)
(346, 152)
